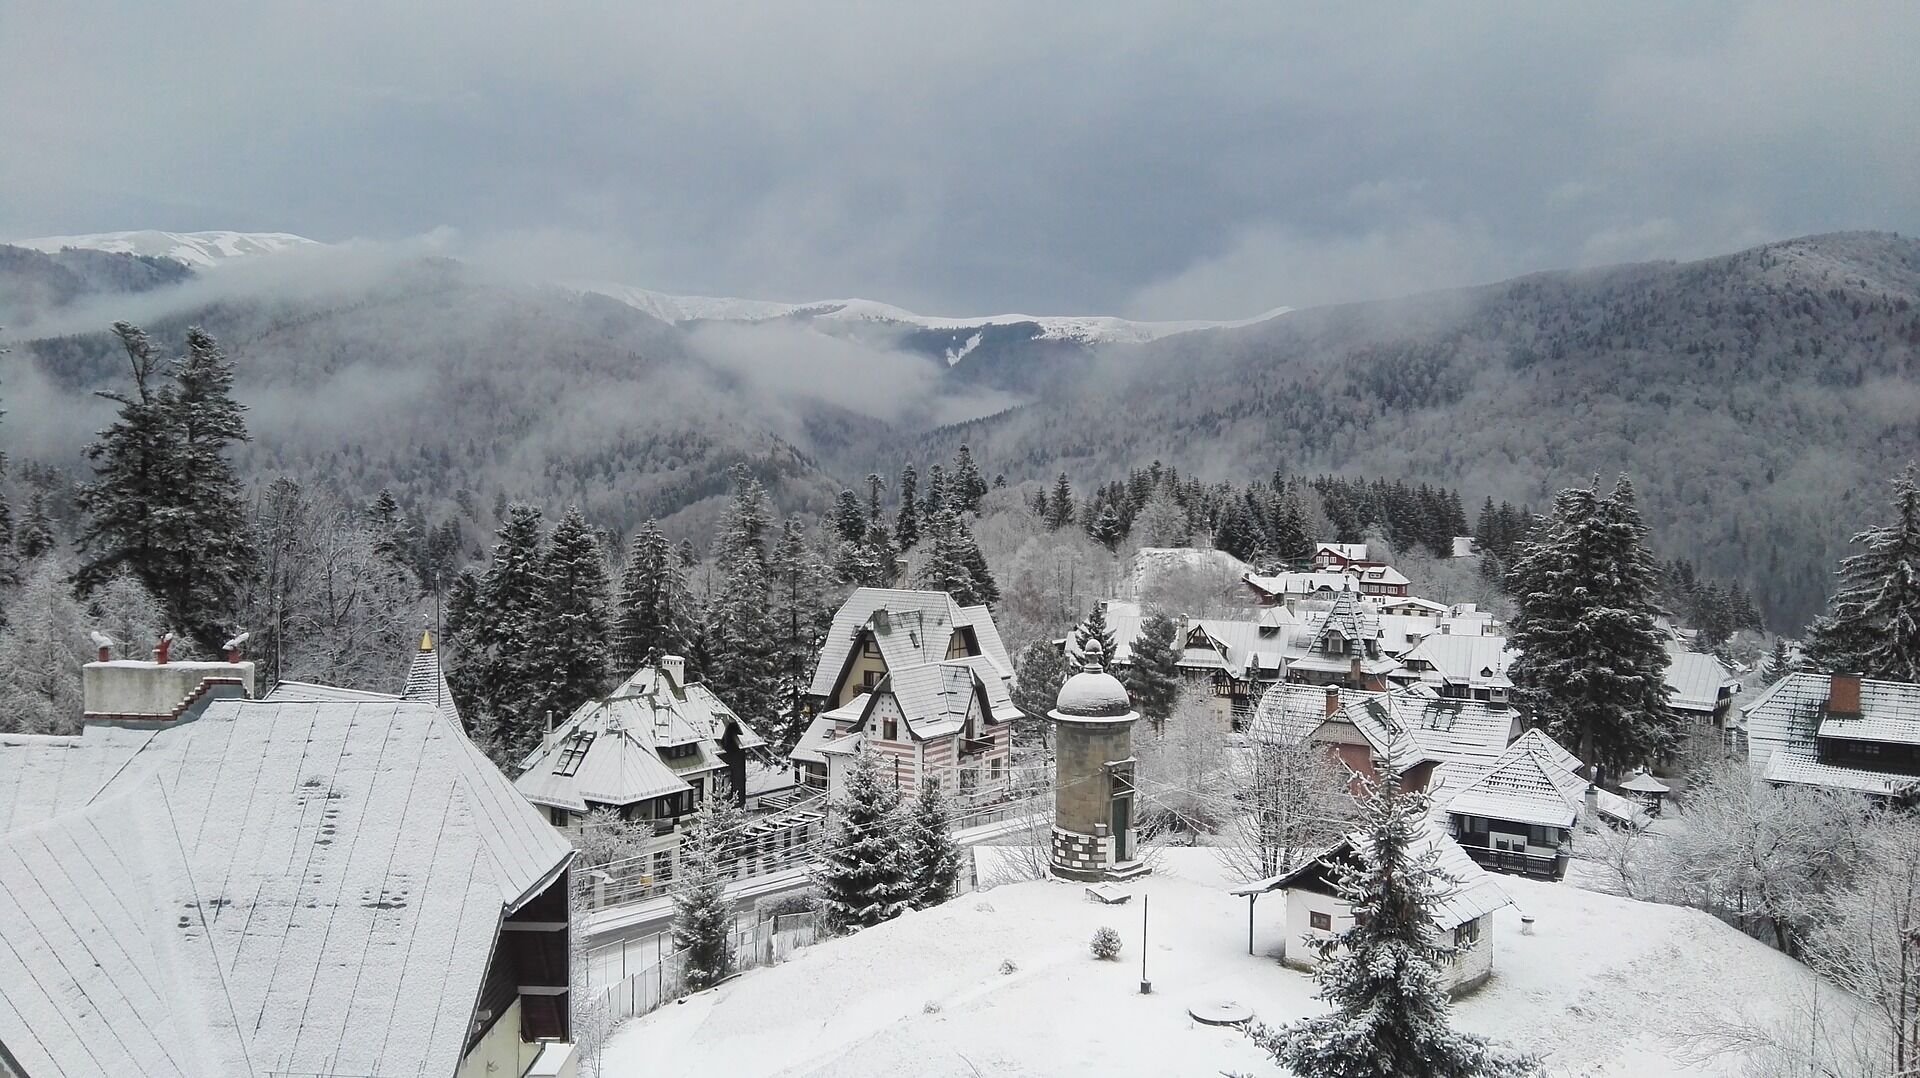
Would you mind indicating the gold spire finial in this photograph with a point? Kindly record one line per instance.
(426, 640)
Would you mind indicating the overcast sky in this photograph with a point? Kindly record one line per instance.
(1163, 161)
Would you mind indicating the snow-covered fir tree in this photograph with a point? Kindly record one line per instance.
(953, 562)
(1382, 976)
(1060, 504)
(802, 609)
(847, 517)
(575, 631)
(35, 535)
(1106, 529)
(1040, 671)
(967, 486)
(866, 877)
(932, 855)
(1592, 659)
(906, 523)
(1872, 623)
(1153, 677)
(742, 664)
(702, 913)
(164, 502)
(1095, 628)
(655, 605)
(497, 681)
(1779, 662)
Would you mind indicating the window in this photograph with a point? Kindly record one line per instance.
(870, 678)
(870, 647)
(1320, 922)
(557, 817)
(1466, 936)
(572, 753)
(889, 729)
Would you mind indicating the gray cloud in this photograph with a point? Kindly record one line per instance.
(1159, 160)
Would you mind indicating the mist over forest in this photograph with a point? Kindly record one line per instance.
(1758, 400)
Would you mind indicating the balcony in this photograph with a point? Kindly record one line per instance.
(975, 746)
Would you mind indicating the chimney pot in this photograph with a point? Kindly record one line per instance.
(1333, 699)
(1843, 694)
(106, 653)
(675, 667)
(160, 650)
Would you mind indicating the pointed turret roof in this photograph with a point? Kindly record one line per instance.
(427, 680)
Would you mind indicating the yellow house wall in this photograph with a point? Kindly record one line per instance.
(501, 1053)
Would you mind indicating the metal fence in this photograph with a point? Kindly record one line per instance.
(765, 943)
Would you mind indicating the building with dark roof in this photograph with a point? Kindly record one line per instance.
(1840, 731)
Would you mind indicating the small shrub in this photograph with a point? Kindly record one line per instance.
(1007, 966)
(785, 905)
(930, 1007)
(1106, 944)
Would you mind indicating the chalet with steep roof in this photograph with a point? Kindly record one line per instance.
(922, 682)
(1840, 731)
(1519, 813)
(1341, 646)
(1461, 667)
(1232, 660)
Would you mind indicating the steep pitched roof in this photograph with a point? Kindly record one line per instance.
(916, 628)
(427, 681)
(292, 887)
(1784, 723)
(1477, 661)
(1695, 680)
(609, 750)
(1471, 893)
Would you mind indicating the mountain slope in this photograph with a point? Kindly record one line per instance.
(200, 249)
(1759, 400)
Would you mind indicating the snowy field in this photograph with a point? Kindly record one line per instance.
(1604, 985)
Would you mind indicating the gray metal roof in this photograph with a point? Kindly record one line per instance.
(279, 886)
(1785, 720)
(918, 627)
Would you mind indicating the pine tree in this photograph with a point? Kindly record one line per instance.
(1040, 673)
(392, 537)
(574, 634)
(1381, 977)
(1592, 659)
(875, 487)
(953, 562)
(1106, 528)
(906, 523)
(865, 878)
(132, 466)
(800, 615)
(1872, 624)
(847, 517)
(210, 552)
(702, 913)
(1060, 504)
(1092, 629)
(936, 496)
(968, 487)
(743, 664)
(655, 604)
(498, 681)
(1779, 663)
(932, 856)
(1153, 677)
(36, 532)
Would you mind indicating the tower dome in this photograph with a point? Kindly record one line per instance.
(1093, 693)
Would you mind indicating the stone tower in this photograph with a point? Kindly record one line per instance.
(1093, 797)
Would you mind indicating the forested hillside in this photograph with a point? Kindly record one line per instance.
(1758, 399)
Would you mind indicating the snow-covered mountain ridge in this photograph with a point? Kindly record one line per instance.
(1091, 329)
(197, 249)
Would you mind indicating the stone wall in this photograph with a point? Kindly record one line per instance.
(1083, 800)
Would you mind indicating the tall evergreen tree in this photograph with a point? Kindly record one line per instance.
(743, 665)
(906, 523)
(1106, 529)
(968, 487)
(35, 536)
(1592, 659)
(702, 913)
(936, 496)
(163, 502)
(498, 680)
(1872, 624)
(1381, 976)
(1779, 662)
(1153, 675)
(1040, 672)
(1060, 503)
(953, 562)
(801, 612)
(865, 877)
(933, 858)
(655, 604)
(575, 634)
(1094, 628)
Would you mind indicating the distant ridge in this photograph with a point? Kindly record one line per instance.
(196, 249)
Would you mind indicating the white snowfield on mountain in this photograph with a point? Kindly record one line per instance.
(208, 249)
(197, 249)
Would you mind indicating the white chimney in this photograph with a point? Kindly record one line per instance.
(675, 667)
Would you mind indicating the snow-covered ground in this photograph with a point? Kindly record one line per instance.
(1605, 985)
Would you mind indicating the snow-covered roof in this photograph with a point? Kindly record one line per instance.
(1535, 781)
(1344, 551)
(308, 692)
(277, 887)
(934, 697)
(1473, 661)
(1300, 584)
(609, 751)
(1470, 892)
(910, 627)
(427, 681)
(1093, 694)
(1233, 645)
(1784, 722)
(1695, 680)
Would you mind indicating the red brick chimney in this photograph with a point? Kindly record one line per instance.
(160, 650)
(1843, 694)
(1333, 699)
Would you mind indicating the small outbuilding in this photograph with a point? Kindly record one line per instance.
(1463, 916)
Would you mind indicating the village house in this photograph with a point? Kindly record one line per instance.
(1701, 692)
(1341, 646)
(201, 883)
(921, 682)
(1231, 660)
(1429, 740)
(652, 751)
(1339, 557)
(1460, 667)
(1463, 914)
(1520, 813)
(1839, 731)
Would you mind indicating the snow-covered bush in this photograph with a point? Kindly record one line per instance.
(1106, 943)
(1007, 966)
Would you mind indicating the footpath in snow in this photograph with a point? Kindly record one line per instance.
(1604, 985)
